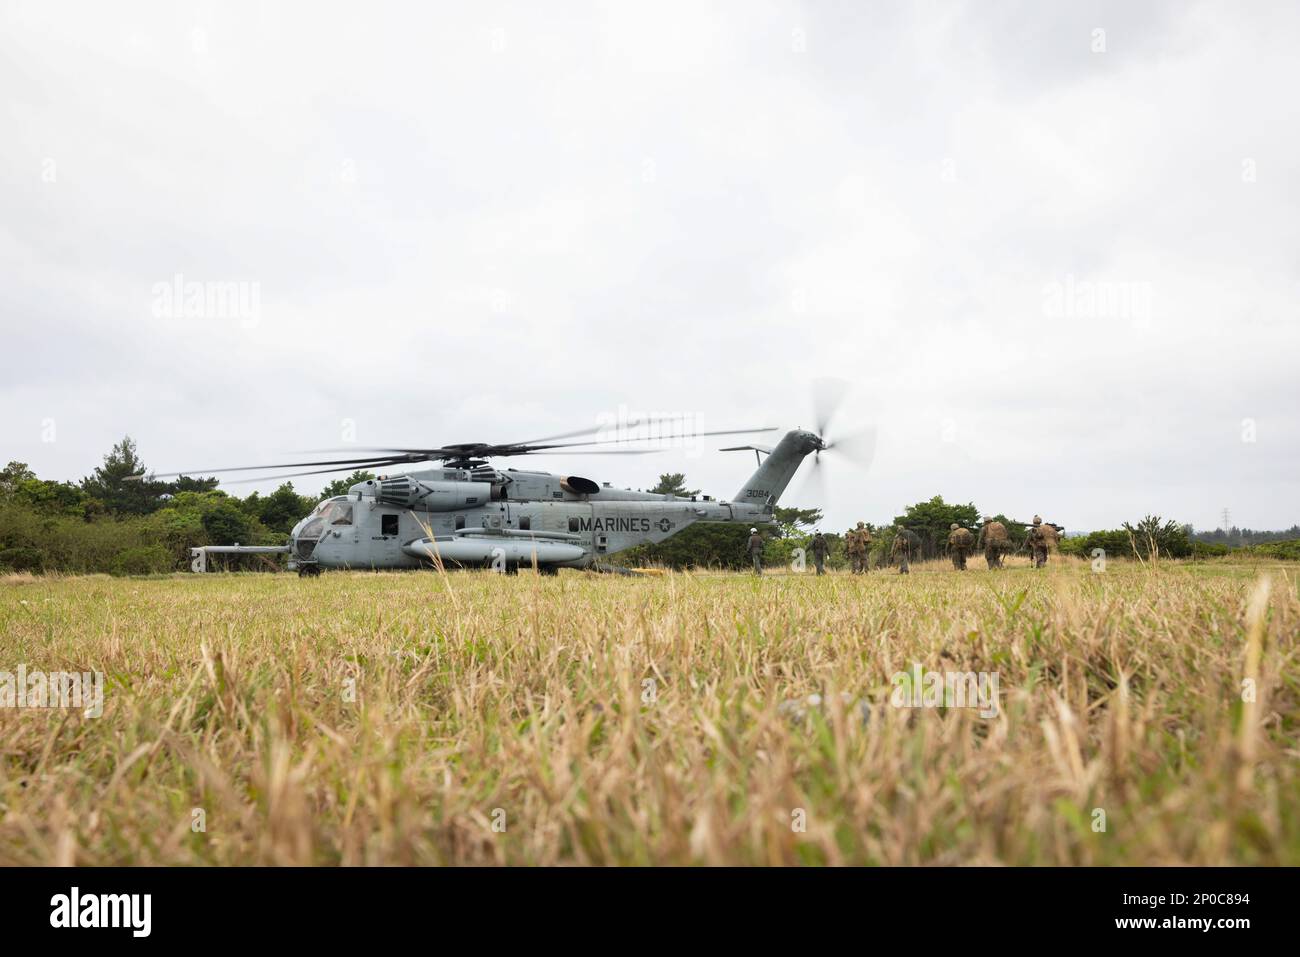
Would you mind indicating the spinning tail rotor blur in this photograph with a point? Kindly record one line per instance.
(857, 446)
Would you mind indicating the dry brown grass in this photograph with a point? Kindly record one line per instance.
(524, 701)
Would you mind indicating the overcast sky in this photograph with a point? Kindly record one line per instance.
(1055, 248)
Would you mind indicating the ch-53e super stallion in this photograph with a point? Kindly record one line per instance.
(467, 513)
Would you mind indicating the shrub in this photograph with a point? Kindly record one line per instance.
(142, 560)
(21, 558)
(1287, 551)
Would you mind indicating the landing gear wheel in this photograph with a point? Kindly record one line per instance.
(308, 571)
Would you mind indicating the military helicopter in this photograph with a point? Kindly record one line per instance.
(465, 512)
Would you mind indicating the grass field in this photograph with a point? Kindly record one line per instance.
(474, 718)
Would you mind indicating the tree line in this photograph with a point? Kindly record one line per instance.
(123, 521)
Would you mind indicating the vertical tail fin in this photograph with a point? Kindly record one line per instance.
(776, 471)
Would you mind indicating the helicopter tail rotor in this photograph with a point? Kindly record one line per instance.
(857, 446)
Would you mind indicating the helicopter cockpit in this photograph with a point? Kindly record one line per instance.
(335, 511)
(332, 512)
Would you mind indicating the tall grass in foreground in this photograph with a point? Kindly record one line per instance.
(473, 718)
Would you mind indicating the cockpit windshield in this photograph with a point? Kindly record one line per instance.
(337, 511)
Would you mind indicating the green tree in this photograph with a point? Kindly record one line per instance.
(19, 484)
(187, 483)
(14, 475)
(1153, 538)
(793, 529)
(793, 521)
(226, 524)
(116, 485)
(674, 483)
(930, 520)
(281, 509)
(62, 498)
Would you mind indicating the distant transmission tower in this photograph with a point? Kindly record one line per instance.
(1227, 520)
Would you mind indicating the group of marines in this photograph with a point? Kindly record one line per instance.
(993, 540)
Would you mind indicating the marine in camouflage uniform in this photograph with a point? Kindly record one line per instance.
(960, 542)
(901, 551)
(820, 547)
(1042, 538)
(993, 540)
(858, 544)
(864, 537)
(756, 550)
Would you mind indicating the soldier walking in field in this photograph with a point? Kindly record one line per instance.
(992, 540)
(854, 546)
(901, 551)
(862, 562)
(756, 550)
(960, 542)
(1042, 538)
(819, 550)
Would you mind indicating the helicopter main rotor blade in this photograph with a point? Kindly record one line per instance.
(505, 446)
(384, 457)
(657, 438)
(631, 423)
(392, 453)
(563, 451)
(276, 478)
(372, 460)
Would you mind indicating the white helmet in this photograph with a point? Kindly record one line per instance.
(753, 531)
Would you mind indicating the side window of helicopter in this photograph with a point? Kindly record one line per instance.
(525, 523)
(460, 522)
(388, 525)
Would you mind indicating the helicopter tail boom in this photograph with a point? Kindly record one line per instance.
(775, 472)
